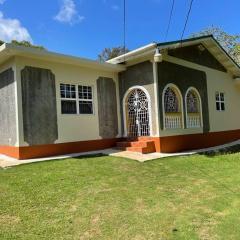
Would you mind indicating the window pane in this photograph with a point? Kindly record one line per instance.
(222, 96)
(69, 107)
(85, 92)
(218, 106)
(73, 95)
(63, 94)
(68, 94)
(222, 106)
(62, 87)
(85, 107)
(217, 97)
(73, 88)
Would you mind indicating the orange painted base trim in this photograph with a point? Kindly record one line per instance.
(57, 149)
(162, 144)
(181, 143)
(10, 151)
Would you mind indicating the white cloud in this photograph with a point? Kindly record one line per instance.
(2, 1)
(12, 29)
(68, 13)
(115, 7)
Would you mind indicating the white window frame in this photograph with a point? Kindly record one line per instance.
(68, 99)
(85, 100)
(220, 101)
(77, 99)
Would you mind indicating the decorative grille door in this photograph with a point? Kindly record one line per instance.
(138, 114)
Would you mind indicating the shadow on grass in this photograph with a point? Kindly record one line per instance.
(223, 151)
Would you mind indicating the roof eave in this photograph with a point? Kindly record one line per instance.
(14, 50)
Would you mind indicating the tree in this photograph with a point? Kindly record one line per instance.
(109, 53)
(231, 43)
(23, 43)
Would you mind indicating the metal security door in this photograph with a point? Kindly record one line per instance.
(138, 114)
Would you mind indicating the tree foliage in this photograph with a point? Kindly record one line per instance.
(24, 44)
(231, 43)
(109, 53)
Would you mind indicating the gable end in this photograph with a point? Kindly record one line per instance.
(197, 54)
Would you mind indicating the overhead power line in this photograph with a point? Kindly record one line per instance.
(170, 20)
(124, 25)
(187, 18)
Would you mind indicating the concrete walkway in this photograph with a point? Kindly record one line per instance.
(10, 162)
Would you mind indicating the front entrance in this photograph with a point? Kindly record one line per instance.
(137, 117)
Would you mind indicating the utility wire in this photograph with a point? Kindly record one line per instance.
(170, 20)
(124, 28)
(187, 18)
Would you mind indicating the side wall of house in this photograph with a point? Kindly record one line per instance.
(44, 130)
(219, 126)
(217, 81)
(8, 108)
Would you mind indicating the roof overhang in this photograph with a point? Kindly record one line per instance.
(8, 51)
(137, 53)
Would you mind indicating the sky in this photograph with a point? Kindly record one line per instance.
(85, 27)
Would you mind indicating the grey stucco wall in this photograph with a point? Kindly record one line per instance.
(183, 78)
(39, 106)
(8, 133)
(107, 107)
(138, 75)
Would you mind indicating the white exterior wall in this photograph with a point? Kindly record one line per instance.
(71, 127)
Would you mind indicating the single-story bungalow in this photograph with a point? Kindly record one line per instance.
(163, 97)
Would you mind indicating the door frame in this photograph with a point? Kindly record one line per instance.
(125, 133)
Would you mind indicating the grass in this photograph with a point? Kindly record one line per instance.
(194, 197)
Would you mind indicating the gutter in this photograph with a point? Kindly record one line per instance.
(137, 52)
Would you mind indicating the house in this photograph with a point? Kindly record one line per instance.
(165, 97)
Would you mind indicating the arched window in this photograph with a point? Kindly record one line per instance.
(172, 107)
(192, 102)
(193, 109)
(171, 102)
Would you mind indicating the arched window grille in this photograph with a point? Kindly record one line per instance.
(193, 109)
(171, 101)
(172, 108)
(192, 102)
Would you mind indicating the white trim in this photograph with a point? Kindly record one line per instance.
(125, 134)
(172, 85)
(200, 105)
(134, 53)
(10, 50)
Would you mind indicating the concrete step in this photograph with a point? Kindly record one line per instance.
(137, 146)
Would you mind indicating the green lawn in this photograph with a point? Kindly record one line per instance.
(196, 197)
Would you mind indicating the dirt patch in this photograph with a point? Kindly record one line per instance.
(9, 220)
